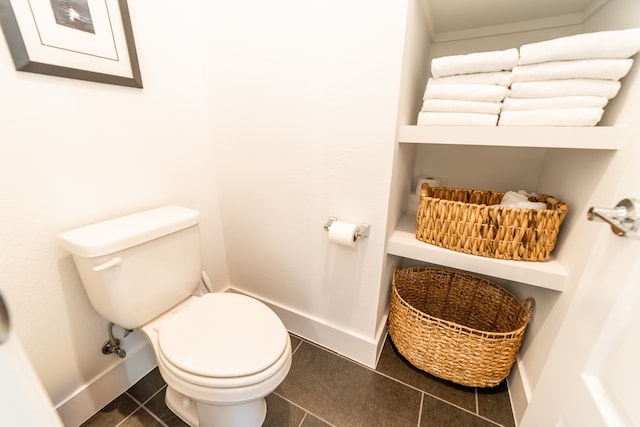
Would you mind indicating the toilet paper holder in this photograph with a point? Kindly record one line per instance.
(363, 228)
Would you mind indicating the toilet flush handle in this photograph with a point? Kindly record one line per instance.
(111, 263)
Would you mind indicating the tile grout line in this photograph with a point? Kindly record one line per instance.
(155, 416)
(142, 405)
(302, 340)
(128, 416)
(426, 393)
(306, 411)
(293, 350)
(149, 398)
(304, 417)
(475, 394)
(132, 412)
(420, 411)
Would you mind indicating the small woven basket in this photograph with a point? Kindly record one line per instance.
(473, 222)
(457, 326)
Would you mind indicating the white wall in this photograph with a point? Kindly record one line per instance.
(74, 152)
(303, 102)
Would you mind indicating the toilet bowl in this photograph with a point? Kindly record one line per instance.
(221, 374)
(220, 353)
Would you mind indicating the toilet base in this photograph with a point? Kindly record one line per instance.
(198, 414)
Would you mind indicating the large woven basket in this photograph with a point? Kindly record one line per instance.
(457, 326)
(473, 222)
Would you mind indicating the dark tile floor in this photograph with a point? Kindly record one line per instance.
(324, 389)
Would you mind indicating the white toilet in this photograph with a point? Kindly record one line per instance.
(220, 354)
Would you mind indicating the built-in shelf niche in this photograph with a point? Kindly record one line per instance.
(547, 274)
(544, 274)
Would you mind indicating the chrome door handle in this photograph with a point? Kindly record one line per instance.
(623, 219)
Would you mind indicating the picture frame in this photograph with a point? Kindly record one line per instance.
(79, 39)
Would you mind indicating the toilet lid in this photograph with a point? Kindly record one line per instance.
(223, 335)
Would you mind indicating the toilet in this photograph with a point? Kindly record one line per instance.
(219, 353)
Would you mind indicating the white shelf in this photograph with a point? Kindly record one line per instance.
(592, 138)
(548, 274)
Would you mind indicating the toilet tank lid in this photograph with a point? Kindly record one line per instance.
(116, 234)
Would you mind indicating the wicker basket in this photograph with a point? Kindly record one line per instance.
(473, 222)
(456, 326)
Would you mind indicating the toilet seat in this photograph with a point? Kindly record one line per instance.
(223, 340)
(185, 381)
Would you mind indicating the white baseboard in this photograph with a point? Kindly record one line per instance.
(519, 390)
(358, 348)
(111, 383)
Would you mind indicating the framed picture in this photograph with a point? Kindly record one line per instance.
(79, 39)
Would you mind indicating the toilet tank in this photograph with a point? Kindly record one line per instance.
(136, 267)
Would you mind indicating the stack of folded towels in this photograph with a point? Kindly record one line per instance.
(467, 89)
(567, 81)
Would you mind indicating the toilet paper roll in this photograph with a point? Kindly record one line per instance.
(413, 201)
(343, 233)
(431, 180)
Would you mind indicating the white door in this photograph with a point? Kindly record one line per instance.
(23, 401)
(592, 374)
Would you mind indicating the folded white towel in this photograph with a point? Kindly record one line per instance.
(471, 119)
(479, 62)
(567, 87)
(607, 69)
(602, 44)
(553, 103)
(550, 117)
(458, 106)
(465, 92)
(495, 78)
(520, 199)
(516, 196)
(525, 205)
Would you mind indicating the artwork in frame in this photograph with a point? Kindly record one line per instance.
(79, 39)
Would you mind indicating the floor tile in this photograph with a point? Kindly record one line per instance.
(281, 413)
(141, 418)
(113, 413)
(393, 364)
(311, 421)
(347, 394)
(160, 409)
(494, 403)
(147, 386)
(324, 389)
(436, 413)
